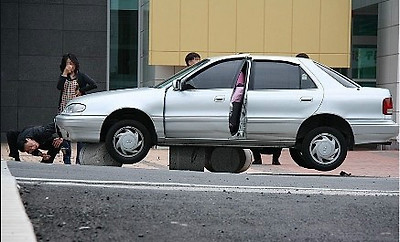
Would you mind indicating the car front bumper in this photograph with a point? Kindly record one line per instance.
(80, 128)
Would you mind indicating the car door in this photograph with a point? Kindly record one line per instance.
(200, 110)
(281, 96)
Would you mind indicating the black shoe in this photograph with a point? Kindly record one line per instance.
(15, 156)
(257, 162)
(46, 161)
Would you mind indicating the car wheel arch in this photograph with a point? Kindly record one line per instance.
(129, 114)
(328, 120)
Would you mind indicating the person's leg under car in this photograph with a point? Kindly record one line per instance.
(66, 150)
(256, 156)
(275, 156)
(79, 146)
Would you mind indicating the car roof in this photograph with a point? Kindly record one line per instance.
(296, 60)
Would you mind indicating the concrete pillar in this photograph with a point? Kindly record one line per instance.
(190, 158)
(96, 155)
(214, 159)
(388, 60)
(225, 159)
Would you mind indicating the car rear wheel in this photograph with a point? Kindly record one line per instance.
(298, 157)
(324, 149)
(128, 141)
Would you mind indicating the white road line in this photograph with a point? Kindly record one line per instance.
(201, 187)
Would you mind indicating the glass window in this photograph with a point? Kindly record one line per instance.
(306, 82)
(277, 75)
(181, 74)
(364, 62)
(337, 76)
(365, 25)
(221, 75)
(123, 44)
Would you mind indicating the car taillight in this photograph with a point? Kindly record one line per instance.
(387, 106)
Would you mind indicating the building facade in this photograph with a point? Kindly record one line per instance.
(136, 43)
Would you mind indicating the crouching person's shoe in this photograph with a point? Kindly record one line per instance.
(46, 161)
(15, 156)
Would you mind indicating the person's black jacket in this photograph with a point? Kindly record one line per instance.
(84, 81)
(44, 135)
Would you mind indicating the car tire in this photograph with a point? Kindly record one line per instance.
(298, 157)
(128, 141)
(324, 149)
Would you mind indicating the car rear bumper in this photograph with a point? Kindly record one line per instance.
(80, 128)
(369, 133)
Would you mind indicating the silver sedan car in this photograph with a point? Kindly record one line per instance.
(238, 101)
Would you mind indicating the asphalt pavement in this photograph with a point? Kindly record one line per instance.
(16, 226)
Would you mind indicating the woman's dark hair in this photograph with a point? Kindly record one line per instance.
(74, 60)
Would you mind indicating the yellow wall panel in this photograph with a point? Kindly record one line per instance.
(335, 26)
(335, 60)
(320, 28)
(164, 25)
(277, 54)
(278, 26)
(250, 26)
(222, 26)
(306, 26)
(194, 26)
(164, 57)
(211, 54)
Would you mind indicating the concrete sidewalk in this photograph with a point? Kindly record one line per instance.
(16, 226)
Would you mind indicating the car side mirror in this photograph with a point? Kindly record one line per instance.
(176, 85)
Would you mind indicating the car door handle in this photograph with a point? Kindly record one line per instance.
(306, 99)
(219, 98)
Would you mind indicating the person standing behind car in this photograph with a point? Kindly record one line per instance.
(72, 83)
(192, 58)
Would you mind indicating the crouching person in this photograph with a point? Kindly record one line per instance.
(34, 140)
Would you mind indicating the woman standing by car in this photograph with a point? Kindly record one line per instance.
(72, 83)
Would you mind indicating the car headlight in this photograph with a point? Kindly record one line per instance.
(74, 108)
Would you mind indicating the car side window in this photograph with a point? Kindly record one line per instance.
(278, 75)
(221, 75)
(306, 82)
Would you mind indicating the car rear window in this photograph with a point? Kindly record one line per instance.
(279, 75)
(345, 81)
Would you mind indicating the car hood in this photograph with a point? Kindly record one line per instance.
(149, 100)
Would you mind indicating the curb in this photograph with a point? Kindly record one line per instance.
(15, 224)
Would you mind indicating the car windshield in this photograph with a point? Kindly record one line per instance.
(182, 73)
(345, 81)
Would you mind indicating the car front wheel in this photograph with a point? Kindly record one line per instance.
(324, 149)
(128, 141)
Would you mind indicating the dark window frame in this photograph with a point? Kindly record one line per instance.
(297, 83)
(193, 82)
